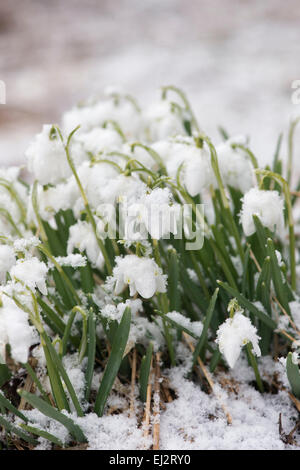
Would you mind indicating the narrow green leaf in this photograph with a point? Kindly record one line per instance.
(51, 412)
(63, 374)
(114, 361)
(5, 374)
(11, 428)
(41, 433)
(145, 371)
(55, 382)
(10, 407)
(36, 380)
(91, 353)
(282, 292)
(173, 281)
(200, 345)
(293, 374)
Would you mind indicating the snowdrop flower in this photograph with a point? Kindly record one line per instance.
(156, 212)
(46, 157)
(82, 237)
(15, 330)
(32, 272)
(197, 172)
(100, 140)
(7, 260)
(233, 334)
(52, 199)
(235, 167)
(93, 115)
(162, 121)
(267, 205)
(96, 181)
(142, 275)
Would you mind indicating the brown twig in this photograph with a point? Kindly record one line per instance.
(146, 420)
(156, 406)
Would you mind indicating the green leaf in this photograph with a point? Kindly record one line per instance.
(145, 371)
(57, 361)
(36, 380)
(41, 433)
(55, 382)
(280, 288)
(173, 281)
(114, 361)
(10, 407)
(200, 345)
(91, 353)
(11, 428)
(5, 374)
(51, 412)
(293, 374)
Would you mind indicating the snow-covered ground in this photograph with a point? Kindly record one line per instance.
(236, 60)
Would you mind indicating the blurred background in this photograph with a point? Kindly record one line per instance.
(235, 59)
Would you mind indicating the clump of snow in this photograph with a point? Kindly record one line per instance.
(73, 260)
(32, 272)
(82, 237)
(267, 205)
(15, 330)
(195, 327)
(233, 334)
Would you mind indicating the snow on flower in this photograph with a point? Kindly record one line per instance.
(235, 167)
(46, 157)
(162, 121)
(267, 205)
(233, 334)
(197, 172)
(142, 275)
(95, 114)
(156, 212)
(32, 272)
(15, 330)
(7, 260)
(82, 238)
(100, 140)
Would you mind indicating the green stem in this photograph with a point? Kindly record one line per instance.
(85, 201)
(255, 368)
(287, 196)
(290, 148)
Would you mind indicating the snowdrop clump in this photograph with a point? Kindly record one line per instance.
(97, 279)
